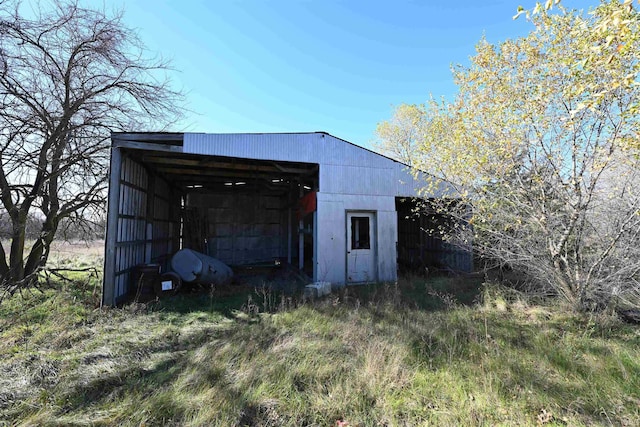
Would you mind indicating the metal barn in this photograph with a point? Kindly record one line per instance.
(337, 211)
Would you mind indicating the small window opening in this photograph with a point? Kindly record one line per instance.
(360, 238)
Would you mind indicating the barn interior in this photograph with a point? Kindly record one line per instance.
(245, 213)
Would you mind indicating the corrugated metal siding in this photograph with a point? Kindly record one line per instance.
(338, 179)
(419, 249)
(147, 223)
(243, 228)
(344, 168)
(332, 237)
(131, 223)
(281, 147)
(456, 258)
(165, 222)
(335, 151)
(387, 233)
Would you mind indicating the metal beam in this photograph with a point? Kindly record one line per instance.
(301, 236)
(146, 146)
(206, 163)
(191, 172)
(148, 137)
(108, 281)
(297, 171)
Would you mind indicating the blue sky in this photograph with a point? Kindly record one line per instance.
(302, 66)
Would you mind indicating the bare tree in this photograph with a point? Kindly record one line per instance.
(69, 76)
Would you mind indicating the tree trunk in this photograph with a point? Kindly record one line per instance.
(40, 250)
(4, 267)
(16, 257)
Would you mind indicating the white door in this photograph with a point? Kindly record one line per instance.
(361, 247)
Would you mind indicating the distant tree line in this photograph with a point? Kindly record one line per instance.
(67, 229)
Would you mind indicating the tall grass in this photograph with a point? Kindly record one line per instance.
(441, 351)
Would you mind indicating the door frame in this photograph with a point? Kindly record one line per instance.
(373, 239)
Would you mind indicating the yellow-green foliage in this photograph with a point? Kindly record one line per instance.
(541, 143)
(371, 357)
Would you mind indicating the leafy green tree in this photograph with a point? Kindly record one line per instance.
(69, 76)
(542, 141)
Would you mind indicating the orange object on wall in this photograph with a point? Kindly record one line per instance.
(307, 204)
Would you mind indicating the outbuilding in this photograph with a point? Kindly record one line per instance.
(337, 211)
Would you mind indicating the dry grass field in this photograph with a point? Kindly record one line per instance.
(80, 253)
(437, 351)
(72, 253)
